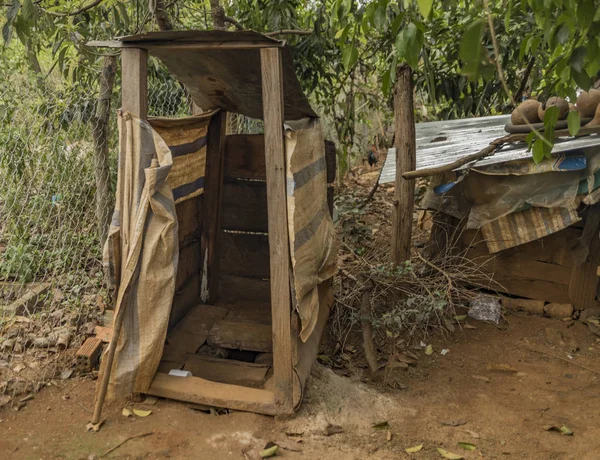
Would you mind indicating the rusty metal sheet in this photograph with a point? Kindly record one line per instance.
(442, 142)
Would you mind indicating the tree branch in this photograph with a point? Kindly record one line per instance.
(288, 32)
(525, 79)
(233, 21)
(73, 13)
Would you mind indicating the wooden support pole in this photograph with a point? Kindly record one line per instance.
(405, 144)
(272, 93)
(211, 218)
(135, 100)
(134, 63)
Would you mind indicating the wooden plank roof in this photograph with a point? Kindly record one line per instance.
(221, 69)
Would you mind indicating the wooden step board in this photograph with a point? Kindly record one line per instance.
(227, 370)
(191, 333)
(247, 326)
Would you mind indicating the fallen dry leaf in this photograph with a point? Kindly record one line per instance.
(454, 422)
(472, 433)
(389, 436)
(449, 455)
(126, 412)
(333, 429)
(501, 368)
(482, 378)
(466, 445)
(414, 450)
(142, 413)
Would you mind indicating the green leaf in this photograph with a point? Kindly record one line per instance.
(563, 34)
(379, 17)
(582, 78)
(270, 452)
(123, 13)
(551, 117)
(467, 445)
(539, 150)
(397, 23)
(577, 58)
(339, 33)
(574, 122)
(28, 10)
(408, 44)
(449, 455)
(425, 7)
(414, 449)
(565, 430)
(349, 56)
(11, 14)
(386, 82)
(471, 50)
(381, 426)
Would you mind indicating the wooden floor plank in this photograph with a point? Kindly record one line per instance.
(201, 391)
(191, 332)
(240, 335)
(227, 370)
(247, 311)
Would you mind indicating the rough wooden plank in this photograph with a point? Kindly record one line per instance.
(272, 91)
(135, 81)
(227, 370)
(201, 391)
(238, 335)
(245, 156)
(186, 298)
(234, 288)
(244, 206)
(211, 215)
(245, 254)
(191, 332)
(583, 284)
(249, 311)
(189, 264)
(189, 220)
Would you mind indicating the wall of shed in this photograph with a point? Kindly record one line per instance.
(540, 270)
(189, 270)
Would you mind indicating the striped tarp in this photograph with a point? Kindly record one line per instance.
(187, 140)
(525, 226)
(142, 249)
(310, 225)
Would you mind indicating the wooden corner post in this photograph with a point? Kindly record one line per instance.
(134, 63)
(211, 218)
(272, 94)
(406, 153)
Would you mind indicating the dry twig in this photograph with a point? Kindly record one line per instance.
(141, 435)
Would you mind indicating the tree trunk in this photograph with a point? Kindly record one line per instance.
(218, 15)
(101, 133)
(162, 17)
(405, 144)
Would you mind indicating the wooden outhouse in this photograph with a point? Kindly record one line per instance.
(235, 233)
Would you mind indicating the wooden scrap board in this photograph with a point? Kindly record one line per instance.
(240, 335)
(227, 370)
(191, 332)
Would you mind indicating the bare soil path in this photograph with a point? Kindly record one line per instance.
(504, 412)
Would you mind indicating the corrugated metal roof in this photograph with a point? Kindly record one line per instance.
(442, 142)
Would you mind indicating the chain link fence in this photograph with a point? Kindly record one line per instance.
(58, 156)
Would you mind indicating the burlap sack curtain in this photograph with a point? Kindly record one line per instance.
(310, 225)
(142, 250)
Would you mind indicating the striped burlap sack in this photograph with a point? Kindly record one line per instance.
(312, 236)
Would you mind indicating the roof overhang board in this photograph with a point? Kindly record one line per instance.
(221, 70)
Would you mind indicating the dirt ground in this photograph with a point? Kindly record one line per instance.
(503, 413)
